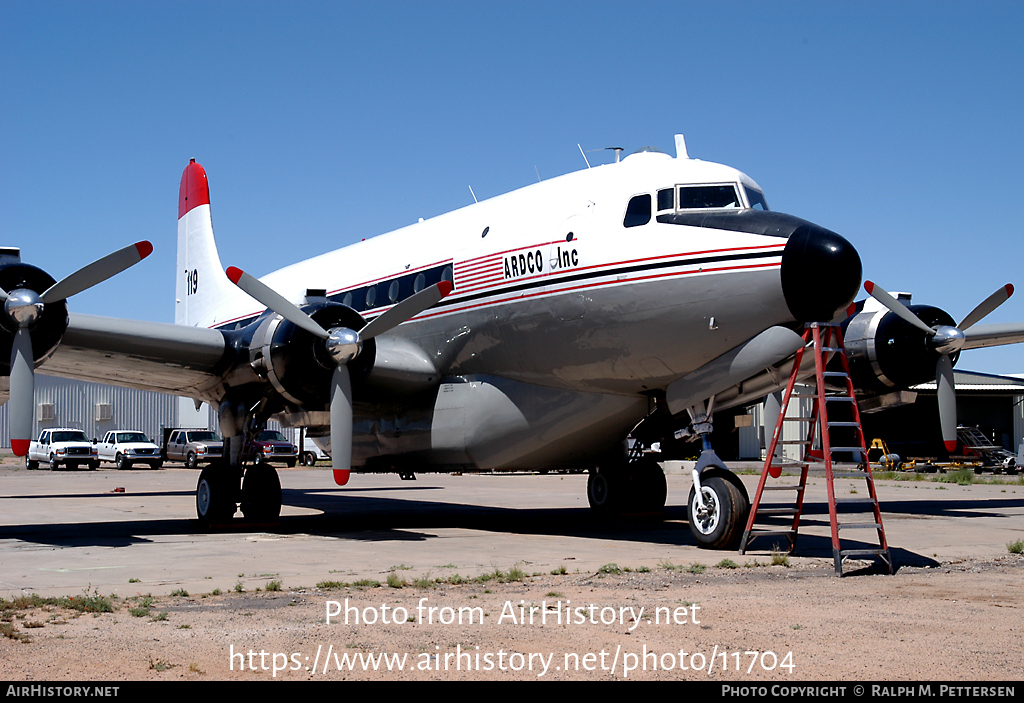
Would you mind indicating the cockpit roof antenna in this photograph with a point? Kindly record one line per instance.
(584, 155)
(473, 194)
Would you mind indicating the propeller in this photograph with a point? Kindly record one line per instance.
(343, 346)
(25, 306)
(944, 340)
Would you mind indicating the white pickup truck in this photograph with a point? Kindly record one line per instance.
(62, 446)
(127, 447)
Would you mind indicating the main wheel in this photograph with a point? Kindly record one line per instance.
(649, 486)
(604, 491)
(261, 493)
(719, 525)
(214, 497)
(121, 463)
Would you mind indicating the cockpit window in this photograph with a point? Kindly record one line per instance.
(638, 212)
(708, 196)
(666, 199)
(756, 198)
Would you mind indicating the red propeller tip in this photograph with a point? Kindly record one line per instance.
(445, 287)
(869, 287)
(1009, 289)
(341, 476)
(234, 274)
(950, 445)
(144, 248)
(20, 446)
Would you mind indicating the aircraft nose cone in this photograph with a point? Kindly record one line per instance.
(820, 273)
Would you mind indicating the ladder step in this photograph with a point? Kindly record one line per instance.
(847, 449)
(843, 424)
(792, 441)
(839, 398)
(793, 487)
(832, 349)
(884, 553)
(856, 501)
(850, 474)
(858, 526)
(777, 511)
(798, 419)
(771, 533)
(835, 374)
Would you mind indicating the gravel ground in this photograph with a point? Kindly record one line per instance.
(958, 621)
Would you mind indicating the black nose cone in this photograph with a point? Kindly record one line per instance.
(820, 273)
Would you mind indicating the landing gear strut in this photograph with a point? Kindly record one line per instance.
(634, 483)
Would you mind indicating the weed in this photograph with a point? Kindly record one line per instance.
(667, 565)
(447, 566)
(186, 626)
(194, 668)
(239, 588)
(273, 585)
(425, 582)
(331, 585)
(180, 592)
(1016, 547)
(727, 564)
(797, 627)
(780, 558)
(697, 568)
(643, 569)
(8, 630)
(160, 665)
(514, 574)
(610, 569)
(366, 583)
(159, 617)
(400, 567)
(396, 581)
(961, 477)
(553, 594)
(215, 592)
(134, 580)
(561, 570)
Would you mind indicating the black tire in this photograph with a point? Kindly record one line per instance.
(649, 487)
(93, 465)
(31, 465)
(121, 463)
(53, 463)
(261, 493)
(309, 459)
(191, 462)
(604, 491)
(721, 524)
(215, 500)
(157, 465)
(290, 463)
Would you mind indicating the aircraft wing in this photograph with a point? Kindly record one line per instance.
(980, 336)
(151, 356)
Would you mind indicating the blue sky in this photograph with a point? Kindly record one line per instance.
(897, 125)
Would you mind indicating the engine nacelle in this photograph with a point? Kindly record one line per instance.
(296, 362)
(48, 330)
(886, 353)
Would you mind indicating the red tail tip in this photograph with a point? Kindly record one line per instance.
(144, 248)
(445, 287)
(950, 445)
(852, 309)
(869, 287)
(341, 476)
(20, 446)
(234, 274)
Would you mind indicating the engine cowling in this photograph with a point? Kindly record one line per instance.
(297, 363)
(886, 353)
(48, 329)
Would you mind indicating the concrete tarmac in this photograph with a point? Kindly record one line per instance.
(64, 532)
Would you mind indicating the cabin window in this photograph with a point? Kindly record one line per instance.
(393, 292)
(706, 197)
(371, 297)
(638, 212)
(420, 283)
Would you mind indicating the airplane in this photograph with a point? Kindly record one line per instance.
(570, 324)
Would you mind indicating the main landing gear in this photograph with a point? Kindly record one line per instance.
(632, 484)
(238, 480)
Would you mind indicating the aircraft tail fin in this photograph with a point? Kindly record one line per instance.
(201, 284)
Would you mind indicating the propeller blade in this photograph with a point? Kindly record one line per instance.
(341, 424)
(97, 272)
(19, 407)
(880, 294)
(947, 401)
(986, 306)
(405, 310)
(275, 301)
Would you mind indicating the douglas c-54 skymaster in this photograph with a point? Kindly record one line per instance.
(535, 330)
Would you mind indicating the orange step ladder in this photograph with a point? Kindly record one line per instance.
(827, 339)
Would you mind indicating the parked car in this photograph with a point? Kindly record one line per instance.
(127, 447)
(271, 445)
(194, 447)
(62, 445)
